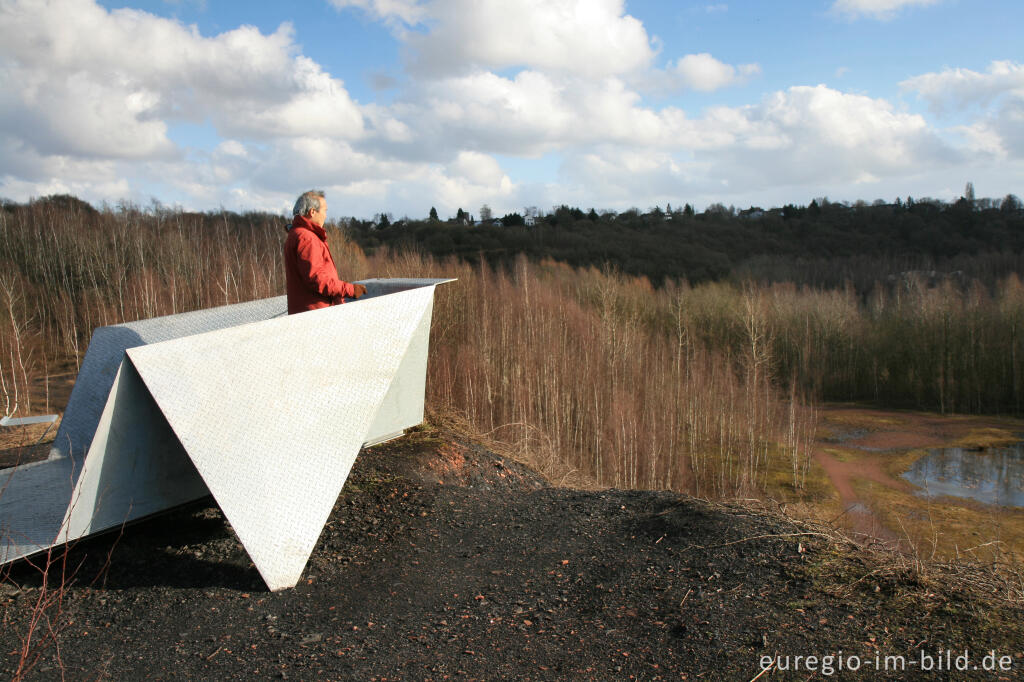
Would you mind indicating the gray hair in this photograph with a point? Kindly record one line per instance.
(308, 201)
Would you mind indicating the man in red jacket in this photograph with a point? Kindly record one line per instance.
(310, 272)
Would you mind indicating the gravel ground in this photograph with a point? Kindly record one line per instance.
(444, 560)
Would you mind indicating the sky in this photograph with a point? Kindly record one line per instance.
(398, 106)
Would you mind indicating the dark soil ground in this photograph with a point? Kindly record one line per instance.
(444, 560)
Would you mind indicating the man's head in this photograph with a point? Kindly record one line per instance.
(312, 205)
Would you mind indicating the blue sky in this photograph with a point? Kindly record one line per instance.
(400, 105)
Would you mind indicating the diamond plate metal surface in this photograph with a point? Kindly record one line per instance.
(267, 412)
(106, 350)
(273, 415)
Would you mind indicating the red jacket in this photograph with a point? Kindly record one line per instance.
(310, 273)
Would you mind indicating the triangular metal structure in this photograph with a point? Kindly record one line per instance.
(267, 416)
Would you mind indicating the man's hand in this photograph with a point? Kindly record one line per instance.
(359, 290)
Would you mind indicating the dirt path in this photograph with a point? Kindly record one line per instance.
(857, 515)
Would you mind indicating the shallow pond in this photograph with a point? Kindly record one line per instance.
(991, 476)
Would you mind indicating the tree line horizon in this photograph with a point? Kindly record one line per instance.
(823, 244)
(1010, 202)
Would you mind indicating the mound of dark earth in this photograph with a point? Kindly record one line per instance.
(444, 560)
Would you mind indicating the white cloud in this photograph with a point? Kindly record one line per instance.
(809, 136)
(313, 161)
(618, 152)
(705, 73)
(804, 132)
(998, 94)
(1009, 125)
(532, 113)
(964, 88)
(591, 38)
(409, 12)
(821, 133)
(471, 180)
(63, 114)
(999, 133)
(585, 38)
(622, 177)
(983, 138)
(878, 9)
(363, 183)
(23, 161)
(476, 167)
(821, 115)
(80, 80)
(88, 190)
(232, 148)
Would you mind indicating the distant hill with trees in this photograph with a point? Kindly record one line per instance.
(824, 244)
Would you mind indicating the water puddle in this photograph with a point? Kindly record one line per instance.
(990, 476)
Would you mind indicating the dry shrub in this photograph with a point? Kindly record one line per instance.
(576, 368)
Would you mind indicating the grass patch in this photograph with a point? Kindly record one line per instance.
(893, 593)
(898, 463)
(865, 420)
(991, 437)
(948, 528)
(844, 454)
(817, 490)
